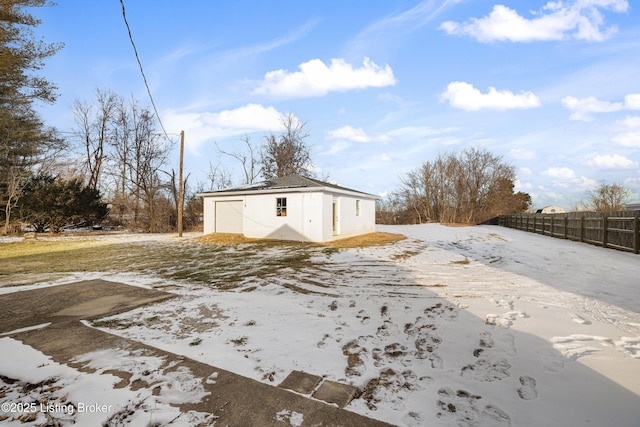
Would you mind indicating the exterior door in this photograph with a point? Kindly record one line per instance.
(336, 217)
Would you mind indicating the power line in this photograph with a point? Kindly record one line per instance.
(144, 77)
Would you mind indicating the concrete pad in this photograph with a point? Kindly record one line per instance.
(80, 300)
(235, 400)
(334, 392)
(301, 382)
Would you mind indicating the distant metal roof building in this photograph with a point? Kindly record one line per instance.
(550, 210)
(632, 206)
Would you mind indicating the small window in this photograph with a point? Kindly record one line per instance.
(357, 207)
(281, 206)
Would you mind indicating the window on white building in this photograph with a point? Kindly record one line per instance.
(281, 206)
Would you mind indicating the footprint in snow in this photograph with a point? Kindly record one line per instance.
(487, 370)
(384, 311)
(363, 316)
(467, 409)
(503, 303)
(323, 342)
(528, 391)
(504, 320)
(413, 419)
(387, 329)
(551, 360)
(442, 311)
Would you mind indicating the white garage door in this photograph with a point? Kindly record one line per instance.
(229, 217)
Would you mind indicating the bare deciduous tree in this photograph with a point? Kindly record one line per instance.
(124, 155)
(608, 198)
(465, 187)
(149, 153)
(93, 124)
(249, 160)
(219, 176)
(287, 153)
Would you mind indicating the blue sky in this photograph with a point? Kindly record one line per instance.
(383, 85)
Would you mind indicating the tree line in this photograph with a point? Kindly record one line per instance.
(120, 174)
(468, 186)
(113, 167)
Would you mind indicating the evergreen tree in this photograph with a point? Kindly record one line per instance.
(24, 140)
(49, 204)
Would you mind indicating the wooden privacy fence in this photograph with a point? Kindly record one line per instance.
(617, 230)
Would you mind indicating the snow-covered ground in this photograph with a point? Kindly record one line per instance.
(468, 326)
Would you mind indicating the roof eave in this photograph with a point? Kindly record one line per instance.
(223, 193)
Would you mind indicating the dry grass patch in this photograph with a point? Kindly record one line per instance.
(39, 247)
(364, 240)
(224, 239)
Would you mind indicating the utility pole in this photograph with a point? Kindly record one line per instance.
(180, 192)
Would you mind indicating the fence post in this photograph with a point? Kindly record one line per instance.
(605, 230)
(551, 233)
(566, 225)
(636, 233)
(582, 228)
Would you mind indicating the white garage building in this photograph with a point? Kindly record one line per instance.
(290, 208)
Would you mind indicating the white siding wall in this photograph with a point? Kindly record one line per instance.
(352, 224)
(303, 221)
(309, 216)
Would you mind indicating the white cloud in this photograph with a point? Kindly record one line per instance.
(520, 186)
(348, 133)
(557, 20)
(631, 122)
(611, 161)
(522, 153)
(238, 54)
(336, 148)
(627, 139)
(629, 135)
(388, 30)
(419, 131)
(632, 101)
(583, 108)
(563, 173)
(463, 95)
(202, 127)
(565, 177)
(315, 78)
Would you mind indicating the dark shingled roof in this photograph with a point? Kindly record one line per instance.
(284, 182)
